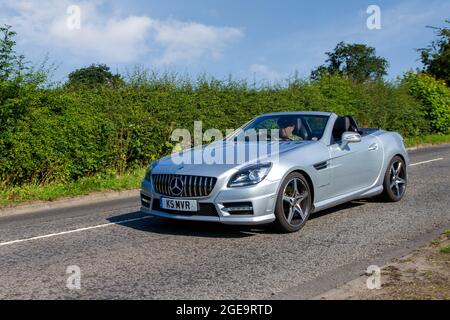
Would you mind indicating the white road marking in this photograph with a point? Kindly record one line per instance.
(423, 162)
(72, 231)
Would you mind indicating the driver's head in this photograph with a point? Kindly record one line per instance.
(287, 125)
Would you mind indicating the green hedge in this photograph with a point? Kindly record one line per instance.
(62, 134)
(435, 98)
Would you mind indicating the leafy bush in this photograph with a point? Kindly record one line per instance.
(434, 95)
(99, 123)
(61, 134)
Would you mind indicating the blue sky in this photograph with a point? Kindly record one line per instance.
(251, 39)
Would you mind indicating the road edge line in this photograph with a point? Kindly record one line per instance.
(68, 202)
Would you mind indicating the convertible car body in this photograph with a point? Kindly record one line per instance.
(317, 160)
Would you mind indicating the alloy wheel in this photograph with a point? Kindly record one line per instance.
(296, 202)
(398, 178)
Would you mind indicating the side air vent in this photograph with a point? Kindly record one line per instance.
(321, 165)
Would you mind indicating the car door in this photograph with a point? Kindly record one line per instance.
(356, 166)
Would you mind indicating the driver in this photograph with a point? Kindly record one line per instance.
(287, 128)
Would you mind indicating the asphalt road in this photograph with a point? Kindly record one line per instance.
(123, 254)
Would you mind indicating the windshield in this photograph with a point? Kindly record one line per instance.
(293, 127)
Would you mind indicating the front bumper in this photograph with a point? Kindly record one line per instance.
(261, 196)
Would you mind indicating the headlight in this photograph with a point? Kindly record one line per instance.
(148, 174)
(250, 175)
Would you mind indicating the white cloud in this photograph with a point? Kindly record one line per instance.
(188, 41)
(115, 37)
(264, 72)
(117, 40)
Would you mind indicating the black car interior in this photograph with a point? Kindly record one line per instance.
(305, 131)
(302, 130)
(343, 124)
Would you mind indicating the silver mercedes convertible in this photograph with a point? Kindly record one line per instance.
(278, 168)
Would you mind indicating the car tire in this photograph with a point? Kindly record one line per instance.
(294, 203)
(395, 180)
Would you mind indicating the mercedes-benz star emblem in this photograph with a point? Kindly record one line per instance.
(176, 186)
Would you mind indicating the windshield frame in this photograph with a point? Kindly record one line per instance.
(250, 123)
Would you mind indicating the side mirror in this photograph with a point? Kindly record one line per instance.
(349, 137)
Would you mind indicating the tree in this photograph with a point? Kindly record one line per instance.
(436, 57)
(357, 62)
(93, 76)
(11, 64)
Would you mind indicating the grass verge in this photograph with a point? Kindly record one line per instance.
(428, 139)
(10, 196)
(33, 192)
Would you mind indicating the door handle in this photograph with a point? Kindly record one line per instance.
(373, 147)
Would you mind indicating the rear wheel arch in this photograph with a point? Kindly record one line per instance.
(401, 156)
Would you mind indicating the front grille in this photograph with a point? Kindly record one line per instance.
(205, 209)
(192, 186)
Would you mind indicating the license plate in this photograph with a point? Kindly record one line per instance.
(178, 204)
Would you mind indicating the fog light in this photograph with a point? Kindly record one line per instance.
(232, 209)
(238, 208)
(145, 200)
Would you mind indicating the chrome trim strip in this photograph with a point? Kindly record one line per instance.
(195, 186)
(200, 182)
(211, 187)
